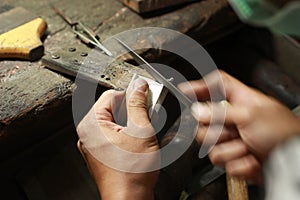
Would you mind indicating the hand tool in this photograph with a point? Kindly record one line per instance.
(83, 33)
(237, 188)
(175, 91)
(159, 77)
(20, 32)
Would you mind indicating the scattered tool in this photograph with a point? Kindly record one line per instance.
(83, 33)
(20, 32)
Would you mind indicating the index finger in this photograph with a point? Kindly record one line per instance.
(215, 86)
(211, 87)
(107, 105)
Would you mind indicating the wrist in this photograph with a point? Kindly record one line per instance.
(121, 185)
(124, 191)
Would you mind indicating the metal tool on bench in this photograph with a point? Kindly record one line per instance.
(237, 188)
(85, 34)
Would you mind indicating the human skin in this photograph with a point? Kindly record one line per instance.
(116, 183)
(254, 124)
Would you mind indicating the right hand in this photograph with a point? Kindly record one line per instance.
(254, 124)
(119, 157)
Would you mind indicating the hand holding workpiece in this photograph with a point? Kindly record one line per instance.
(254, 124)
(114, 183)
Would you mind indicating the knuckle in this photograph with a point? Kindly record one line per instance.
(231, 170)
(137, 102)
(246, 116)
(108, 92)
(79, 145)
(214, 157)
(222, 73)
(251, 165)
(79, 128)
(200, 135)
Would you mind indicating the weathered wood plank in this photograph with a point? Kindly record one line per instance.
(142, 6)
(36, 102)
(29, 90)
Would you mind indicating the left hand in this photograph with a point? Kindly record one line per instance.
(244, 129)
(116, 182)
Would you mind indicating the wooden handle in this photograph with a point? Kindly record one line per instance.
(237, 188)
(24, 41)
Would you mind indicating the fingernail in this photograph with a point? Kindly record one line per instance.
(200, 110)
(140, 85)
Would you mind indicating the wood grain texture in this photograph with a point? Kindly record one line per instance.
(24, 41)
(32, 97)
(93, 66)
(34, 103)
(142, 6)
(237, 188)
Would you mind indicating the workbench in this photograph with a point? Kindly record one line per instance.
(29, 90)
(36, 103)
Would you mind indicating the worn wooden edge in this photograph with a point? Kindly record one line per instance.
(143, 6)
(29, 92)
(34, 126)
(237, 188)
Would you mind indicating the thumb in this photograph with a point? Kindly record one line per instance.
(137, 112)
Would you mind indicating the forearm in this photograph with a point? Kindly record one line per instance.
(119, 190)
(129, 193)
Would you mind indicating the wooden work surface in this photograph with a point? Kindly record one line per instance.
(35, 102)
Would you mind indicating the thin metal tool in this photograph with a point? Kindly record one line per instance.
(159, 77)
(85, 34)
(213, 173)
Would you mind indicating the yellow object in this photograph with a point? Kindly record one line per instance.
(23, 41)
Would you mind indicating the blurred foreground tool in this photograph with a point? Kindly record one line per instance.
(143, 6)
(20, 33)
(86, 35)
(281, 16)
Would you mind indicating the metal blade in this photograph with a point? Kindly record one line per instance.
(159, 77)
